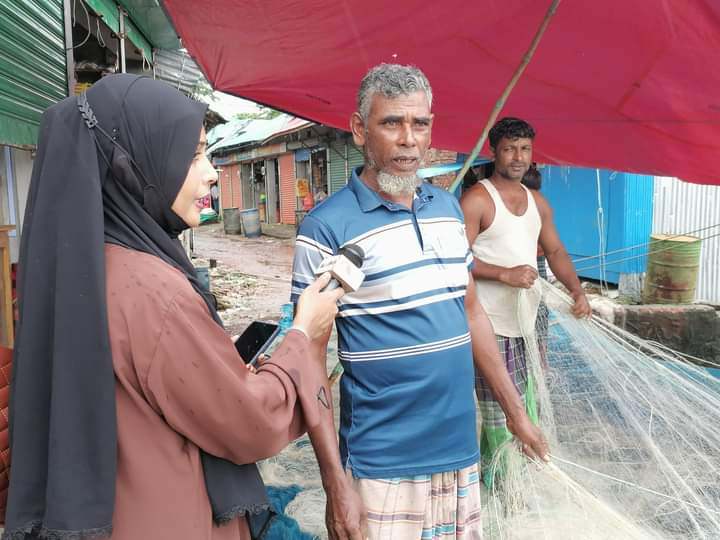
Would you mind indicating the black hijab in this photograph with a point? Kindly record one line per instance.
(109, 166)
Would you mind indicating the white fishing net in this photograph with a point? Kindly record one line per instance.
(633, 432)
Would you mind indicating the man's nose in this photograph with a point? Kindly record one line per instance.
(407, 136)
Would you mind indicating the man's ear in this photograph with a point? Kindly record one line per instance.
(432, 120)
(357, 128)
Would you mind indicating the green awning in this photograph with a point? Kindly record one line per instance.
(151, 19)
(108, 10)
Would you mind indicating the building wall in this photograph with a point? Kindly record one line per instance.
(607, 213)
(15, 173)
(229, 185)
(436, 156)
(682, 208)
(286, 167)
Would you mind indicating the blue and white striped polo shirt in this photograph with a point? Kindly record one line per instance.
(406, 398)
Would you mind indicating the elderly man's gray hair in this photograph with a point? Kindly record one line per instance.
(391, 80)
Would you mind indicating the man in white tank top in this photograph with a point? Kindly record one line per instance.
(504, 222)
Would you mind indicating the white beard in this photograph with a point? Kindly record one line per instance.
(397, 185)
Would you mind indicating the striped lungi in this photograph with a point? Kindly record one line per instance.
(430, 506)
(494, 432)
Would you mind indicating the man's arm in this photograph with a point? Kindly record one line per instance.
(473, 204)
(558, 258)
(344, 512)
(345, 515)
(486, 356)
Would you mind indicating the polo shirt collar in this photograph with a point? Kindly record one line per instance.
(369, 199)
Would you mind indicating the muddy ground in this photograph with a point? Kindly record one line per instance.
(252, 277)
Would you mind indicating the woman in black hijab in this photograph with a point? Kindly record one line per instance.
(131, 415)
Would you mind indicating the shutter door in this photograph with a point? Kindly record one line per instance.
(32, 66)
(355, 157)
(336, 169)
(339, 174)
(288, 201)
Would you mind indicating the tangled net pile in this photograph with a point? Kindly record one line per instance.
(633, 431)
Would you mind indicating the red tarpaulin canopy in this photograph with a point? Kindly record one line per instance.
(631, 85)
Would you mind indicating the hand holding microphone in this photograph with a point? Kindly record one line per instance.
(338, 275)
(344, 268)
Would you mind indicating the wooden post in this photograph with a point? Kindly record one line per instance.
(7, 333)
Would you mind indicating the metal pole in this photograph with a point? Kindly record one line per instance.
(121, 37)
(69, 56)
(503, 98)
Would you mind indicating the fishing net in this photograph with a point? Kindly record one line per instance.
(633, 435)
(633, 432)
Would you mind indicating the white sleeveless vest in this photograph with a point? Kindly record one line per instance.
(509, 241)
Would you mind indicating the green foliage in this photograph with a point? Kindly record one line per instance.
(265, 113)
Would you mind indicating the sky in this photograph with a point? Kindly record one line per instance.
(228, 106)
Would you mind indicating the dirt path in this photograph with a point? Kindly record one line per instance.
(252, 278)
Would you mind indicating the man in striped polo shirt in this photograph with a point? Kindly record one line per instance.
(407, 337)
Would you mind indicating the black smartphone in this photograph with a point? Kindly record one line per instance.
(255, 340)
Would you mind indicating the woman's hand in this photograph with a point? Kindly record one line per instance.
(316, 310)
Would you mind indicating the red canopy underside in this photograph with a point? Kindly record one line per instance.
(630, 85)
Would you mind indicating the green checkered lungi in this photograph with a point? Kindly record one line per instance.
(494, 432)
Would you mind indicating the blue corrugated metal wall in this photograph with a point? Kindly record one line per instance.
(627, 204)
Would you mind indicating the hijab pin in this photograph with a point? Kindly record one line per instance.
(86, 111)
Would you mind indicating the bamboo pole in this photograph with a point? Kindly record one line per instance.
(506, 93)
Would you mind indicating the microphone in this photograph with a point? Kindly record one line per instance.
(344, 268)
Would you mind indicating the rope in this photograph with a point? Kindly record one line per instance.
(628, 248)
(639, 256)
(601, 234)
(100, 39)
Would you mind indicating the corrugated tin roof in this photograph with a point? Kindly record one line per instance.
(242, 132)
(179, 70)
(223, 131)
(293, 125)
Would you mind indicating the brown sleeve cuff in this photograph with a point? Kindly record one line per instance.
(293, 359)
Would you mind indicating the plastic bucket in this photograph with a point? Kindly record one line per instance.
(250, 222)
(203, 274)
(231, 220)
(672, 269)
